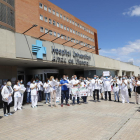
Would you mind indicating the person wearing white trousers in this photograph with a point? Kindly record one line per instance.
(124, 91)
(34, 92)
(89, 87)
(17, 96)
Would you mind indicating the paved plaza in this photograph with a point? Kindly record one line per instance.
(93, 121)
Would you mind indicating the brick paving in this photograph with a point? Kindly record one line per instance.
(93, 121)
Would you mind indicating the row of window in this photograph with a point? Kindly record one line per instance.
(65, 28)
(65, 18)
(65, 38)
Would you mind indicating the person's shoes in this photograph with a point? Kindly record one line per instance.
(46, 103)
(110, 100)
(33, 107)
(128, 102)
(118, 101)
(10, 114)
(15, 110)
(115, 101)
(79, 103)
(5, 115)
(27, 103)
(68, 104)
(61, 105)
(98, 101)
(102, 98)
(86, 102)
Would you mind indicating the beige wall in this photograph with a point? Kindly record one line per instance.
(7, 44)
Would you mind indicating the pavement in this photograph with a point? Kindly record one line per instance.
(104, 120)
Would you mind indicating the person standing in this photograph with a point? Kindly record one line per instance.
(34, 92)
(64, 91)
(22, 94)
(115, 89)
(53, 84)
(107, 86)
(135, 80)
(128, 86)
(28, 90)
(47, 90)
(40, 89)
(97, 87)
(17, 96)
(124, 91)
(138, 90)
(6, 93)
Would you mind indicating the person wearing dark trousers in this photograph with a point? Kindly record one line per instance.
(40, 89)
(64, 91)
(6, 93)
(129, 91)
(78, 102)
(97, 87)
(109, 94)
(107, 86)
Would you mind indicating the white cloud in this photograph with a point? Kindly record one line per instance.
(128, 53)
(133, 11)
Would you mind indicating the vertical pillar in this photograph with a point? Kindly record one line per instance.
(119, 72)
(124, 72)
(130, 73)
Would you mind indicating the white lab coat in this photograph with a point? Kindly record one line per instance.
(107, 83)
(124, 92)
(93, 84)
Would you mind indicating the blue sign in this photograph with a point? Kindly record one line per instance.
(39, 49)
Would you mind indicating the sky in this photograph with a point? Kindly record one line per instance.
(117, 23)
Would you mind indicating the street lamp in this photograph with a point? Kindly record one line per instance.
(45, 34)
(34, 25)
(57, 37)
(84, 46)
(77, 43)
(68, 41)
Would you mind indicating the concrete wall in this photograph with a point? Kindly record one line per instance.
(7, 44)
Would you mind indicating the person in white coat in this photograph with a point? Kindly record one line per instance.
(6, 93)
(17, 96)
(124, 91)
(53, 84)
(138, 90)
(134, 82)
(89, 87)
(96, 87)
(107, 86)
(93, 84)
(40, 89)
(22, 93)
(47, 90)
(115, 89)
(34, 93)
(58, 90)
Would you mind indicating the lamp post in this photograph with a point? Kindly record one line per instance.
(34, 25)
(45, 34)
(57, 37)
(68, 41)
(77, 43)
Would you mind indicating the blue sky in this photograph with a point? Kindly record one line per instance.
(117, 23)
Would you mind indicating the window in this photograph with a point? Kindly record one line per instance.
(76, 41)
(45, 19)
(68, 38)
(71, 30)
(62, 37)
(65, 37)
(74, 31)
(54, 33)
(50, 21)
(64, 27)
(58, 35)
(50, 33)
(73, 22)
(67, 20)
(53, 12)
(57, 14)
(61, 26)
(50, 10)
(41, 5)
(41, 17)
(64, 17)
(70, 20)
(41, 29)
(45, 7)
(57, 24)
(54, 23)
(77, 24)
(60, 15)
(46, 30)
(80, 26)
(78, 33)
(67, 28)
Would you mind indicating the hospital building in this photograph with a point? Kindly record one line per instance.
(38, 38)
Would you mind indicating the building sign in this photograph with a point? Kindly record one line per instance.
(39, 49)
(79, 59)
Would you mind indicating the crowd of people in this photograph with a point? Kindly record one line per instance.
(56, 90)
